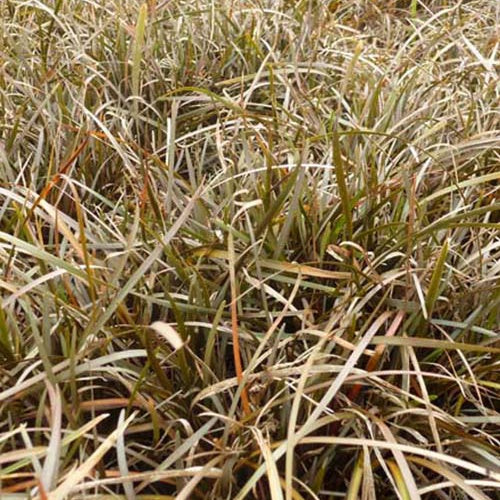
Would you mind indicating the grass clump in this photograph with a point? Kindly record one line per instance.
(302, 198)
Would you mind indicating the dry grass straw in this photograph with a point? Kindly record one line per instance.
(249, 249)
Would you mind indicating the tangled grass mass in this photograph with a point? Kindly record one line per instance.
(249, 249)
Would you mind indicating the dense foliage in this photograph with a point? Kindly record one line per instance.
(301, 197)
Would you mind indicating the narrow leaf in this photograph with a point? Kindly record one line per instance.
(137, 47)
(433, 291)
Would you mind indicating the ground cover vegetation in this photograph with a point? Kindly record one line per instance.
(301, 197)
